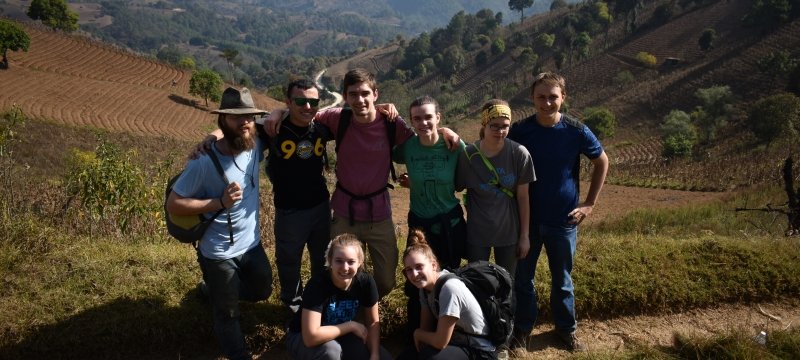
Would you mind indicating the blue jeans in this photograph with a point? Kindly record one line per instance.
(559, 243)
(294, 230)
(246, 277)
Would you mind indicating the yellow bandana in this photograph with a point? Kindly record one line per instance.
(495, 111)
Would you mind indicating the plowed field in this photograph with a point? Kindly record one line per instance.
(73, 80)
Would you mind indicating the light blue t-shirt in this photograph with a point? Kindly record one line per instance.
(201, 180)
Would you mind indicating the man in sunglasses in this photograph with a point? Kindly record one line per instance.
(301, 197)
(360, 202)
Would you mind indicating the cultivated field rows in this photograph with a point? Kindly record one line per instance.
(77, 81)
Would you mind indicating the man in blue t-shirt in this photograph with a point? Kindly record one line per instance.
(555, 142)
(233, 261)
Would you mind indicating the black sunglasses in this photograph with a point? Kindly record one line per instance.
(303, 101)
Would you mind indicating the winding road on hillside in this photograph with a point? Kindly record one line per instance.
(338, 97)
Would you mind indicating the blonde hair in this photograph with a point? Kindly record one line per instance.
(416, 243)
(342, 241)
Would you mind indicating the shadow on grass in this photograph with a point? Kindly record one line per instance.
(186, 101)
(132, 329)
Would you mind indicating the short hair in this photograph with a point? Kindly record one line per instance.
(358, 75)
(424, 100)
(303, 84)
(343, 241)
(551, 79)
(416, 243)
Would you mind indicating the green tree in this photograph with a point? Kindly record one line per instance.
(54, 13)
(520, 5)
(581, 43)
(186, 62)
(558, 4)
(717, 105)
(601, 121)
(678, 134)
(623, 78)
(12, 37)
(775, 116)
(779, 63)
(206, 84)
(498, 47)
(769, 13)
(230, 55)
(453, 60)
(707, 39)
(546, 40)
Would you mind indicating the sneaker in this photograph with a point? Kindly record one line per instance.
(519, 339)
(572, 342)
(202, 291)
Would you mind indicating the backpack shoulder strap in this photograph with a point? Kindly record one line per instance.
(437, 289)
(344, 123)
(391, 132)
(221, 172)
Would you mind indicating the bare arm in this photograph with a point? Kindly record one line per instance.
(179, 205)
(524, 243)
(599, 170)
(314, 334)
(450, 138)
(373, 331)
(439, 338)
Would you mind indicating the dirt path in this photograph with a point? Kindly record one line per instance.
(613, 335)
(615, 201)
(608, 336)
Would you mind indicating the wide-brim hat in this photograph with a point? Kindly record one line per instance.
(237, 102)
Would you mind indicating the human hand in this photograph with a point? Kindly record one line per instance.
(358, 329)
(232, 194)
(417, 341)
(389, 110)
(523, 247)
(451, 139)
(404, 181)
(272, 123)
(202, 147)
(580, 213)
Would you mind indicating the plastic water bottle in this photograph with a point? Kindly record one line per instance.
(761, 338)
(502, 355)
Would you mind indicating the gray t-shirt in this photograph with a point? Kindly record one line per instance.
(457, 301)
(493, 216)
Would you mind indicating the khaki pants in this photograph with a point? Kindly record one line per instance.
(381, 242)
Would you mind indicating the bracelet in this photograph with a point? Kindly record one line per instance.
(222, 203)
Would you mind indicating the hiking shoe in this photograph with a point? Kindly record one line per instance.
(202, 291)
(519, 339)
(572, 342)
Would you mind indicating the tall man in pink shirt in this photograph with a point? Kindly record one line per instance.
(360, 202)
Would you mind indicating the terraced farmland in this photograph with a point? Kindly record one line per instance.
(74, 80)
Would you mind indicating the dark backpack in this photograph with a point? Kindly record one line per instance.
(493, 288)
(391, 131)
(190, 228)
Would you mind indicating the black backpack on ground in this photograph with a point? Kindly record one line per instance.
(190, 228)
(493, 288)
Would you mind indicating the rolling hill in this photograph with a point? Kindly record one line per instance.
(77, 81)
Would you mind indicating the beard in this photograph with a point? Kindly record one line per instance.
(236, 141)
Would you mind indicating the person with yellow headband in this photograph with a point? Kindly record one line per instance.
(496, 172)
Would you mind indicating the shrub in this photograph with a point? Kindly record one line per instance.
(110, 186)
(678, 134)
(623, 78)
(707, 39)
(646, 59)
(778, 63)
(601, 120)
(775, 116)
(546, 40)
(498, 47)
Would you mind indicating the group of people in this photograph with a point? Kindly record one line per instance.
(521, 194)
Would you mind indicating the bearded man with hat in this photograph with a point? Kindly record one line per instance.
(233, 261)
